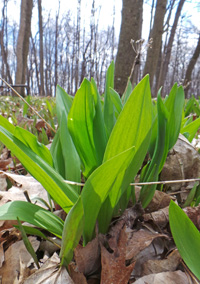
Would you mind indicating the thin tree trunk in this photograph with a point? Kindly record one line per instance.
(156, 35)
(190, 67)
(167, 55)
(42, 93)
(23, 43)
(131, 29)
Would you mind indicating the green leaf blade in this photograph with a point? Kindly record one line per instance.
(32, 214)
(186, 237)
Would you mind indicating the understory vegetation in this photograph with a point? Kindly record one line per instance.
(101, 145)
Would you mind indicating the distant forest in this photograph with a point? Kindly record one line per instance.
(63, 51)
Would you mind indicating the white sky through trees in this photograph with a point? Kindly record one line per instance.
(104, 8)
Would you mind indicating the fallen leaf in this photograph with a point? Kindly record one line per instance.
(50, 272)
(77, 277)
(138, 241)
(88, 259)
(22, 184)
(5, 163)
(160, 217)
(114, 269)
(11, 266)
(183, 162)
(177, 277)
(3, 183)
(194, 214)
(162, 265)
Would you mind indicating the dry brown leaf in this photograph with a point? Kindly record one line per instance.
(50, 273)
(160, 200)
(154, 251)
(77, 277)
(129, 217)
(177, 277)
(8, 237)
(24, 183)
(88, 259)
(183, 162)
(114, 269)
(40, 124)
(162, 265)
(138, 241)
(160, 217)
(11, 267)
(194, 215)
(3, 183)
(2, 257)
(5, 163)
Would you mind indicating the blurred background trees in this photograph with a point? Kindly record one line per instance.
(62, 48)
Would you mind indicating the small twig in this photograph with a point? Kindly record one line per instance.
(48, 125)
(27, 196)
(138, 49)
(144, 183)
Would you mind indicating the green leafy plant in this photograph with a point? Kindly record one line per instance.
(104, 140)
(186, 237)
(165, 131)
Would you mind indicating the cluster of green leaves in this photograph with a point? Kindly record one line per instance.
(18, 113)
(167, 116)
(191, 119)
(103, 139)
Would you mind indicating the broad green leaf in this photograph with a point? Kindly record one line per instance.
(127, 92)
(73, 229)
(174, 105)
(154, 131)
(32, 214)
(134, 122)
(25, 108)
(72, 167)
(133, 128)
(57, 154)
(191, 129)
(31, 142)
(83, 121)
(6, 124)
(100, 138)
(116, 101)
(186, 237)
(109, 113)
(28, 244)
(32, 231)
(94, 193)
(61, 192)
(159, 156)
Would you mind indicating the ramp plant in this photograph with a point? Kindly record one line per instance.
(104, 139)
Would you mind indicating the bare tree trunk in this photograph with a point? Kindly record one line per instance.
(36, 65)
(131, 29)
(190, 67)
(78, 31)
(56, 54)
(168, 49)
(151, 19)
(156, 35)
(42, 93)
(4, 45)
(23, 43)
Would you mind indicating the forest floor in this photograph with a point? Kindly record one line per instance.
(138, 248)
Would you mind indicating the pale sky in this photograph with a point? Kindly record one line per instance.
(104, 8)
